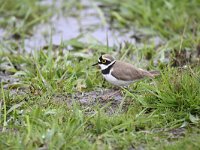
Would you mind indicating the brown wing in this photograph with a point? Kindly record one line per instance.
(128, 72)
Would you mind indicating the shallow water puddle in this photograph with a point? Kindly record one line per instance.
(88, 23)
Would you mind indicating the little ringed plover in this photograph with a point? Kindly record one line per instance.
(120, 73)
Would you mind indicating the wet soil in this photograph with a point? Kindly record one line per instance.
(102, 97)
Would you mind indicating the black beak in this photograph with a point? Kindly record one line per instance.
(95, 64)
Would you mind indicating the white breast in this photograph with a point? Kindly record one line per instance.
(115, 81)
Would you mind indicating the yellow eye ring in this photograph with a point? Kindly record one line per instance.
(103, 61)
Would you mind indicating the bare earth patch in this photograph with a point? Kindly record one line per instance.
(113, 100)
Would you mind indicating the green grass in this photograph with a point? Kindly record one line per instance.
(38, 108)
(175, 21)
(38, 119)
(20, 16)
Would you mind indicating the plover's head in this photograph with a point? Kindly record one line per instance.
(104, 61)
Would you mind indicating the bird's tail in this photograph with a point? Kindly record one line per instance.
(154, 73)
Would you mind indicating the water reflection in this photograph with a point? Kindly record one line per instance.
(88, 23)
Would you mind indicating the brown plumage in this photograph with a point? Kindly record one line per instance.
(128, 72)
(107, 56)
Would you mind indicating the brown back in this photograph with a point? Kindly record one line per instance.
(127, 72)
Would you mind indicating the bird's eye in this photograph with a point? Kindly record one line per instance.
(103, 61)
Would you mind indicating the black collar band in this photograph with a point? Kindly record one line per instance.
(107, 70)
